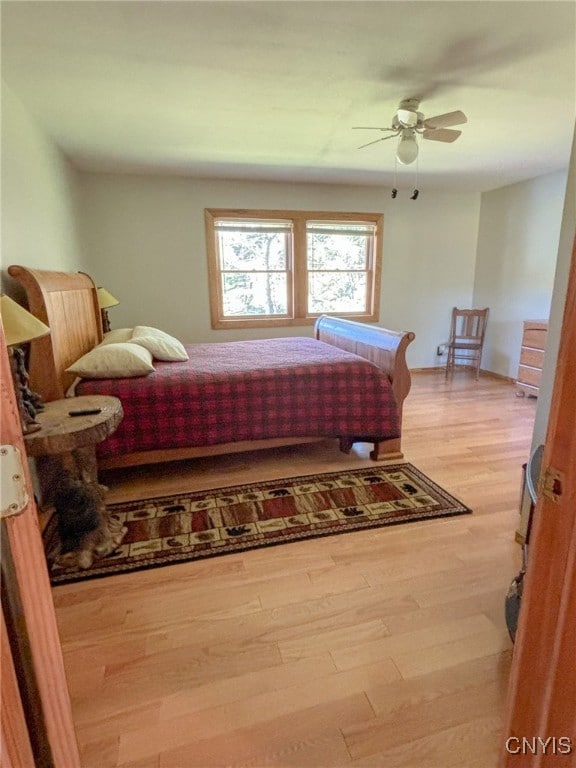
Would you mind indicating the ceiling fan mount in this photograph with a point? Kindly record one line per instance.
(407, 115)
(408, 122)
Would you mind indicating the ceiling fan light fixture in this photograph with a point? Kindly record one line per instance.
(407, 150)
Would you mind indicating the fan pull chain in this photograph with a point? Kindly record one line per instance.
(416, 192)
(394, 190)
(414, 195)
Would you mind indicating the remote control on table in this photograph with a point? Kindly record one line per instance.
(85, 412)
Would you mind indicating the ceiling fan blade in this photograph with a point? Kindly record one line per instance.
(441, 134)
(370, 128)
(382, 138)
(443, 121)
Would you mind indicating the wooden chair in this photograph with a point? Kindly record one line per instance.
(467, 331)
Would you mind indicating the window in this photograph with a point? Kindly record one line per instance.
(288, 267)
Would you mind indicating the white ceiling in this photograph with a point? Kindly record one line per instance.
(271, 89)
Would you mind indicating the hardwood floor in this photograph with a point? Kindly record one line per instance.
(377, 648)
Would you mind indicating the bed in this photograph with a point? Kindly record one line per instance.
(348, 382)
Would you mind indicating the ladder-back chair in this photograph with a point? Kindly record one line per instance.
(467, 331)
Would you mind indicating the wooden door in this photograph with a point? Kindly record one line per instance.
(15, 747)
(30, 620)
(541, 725)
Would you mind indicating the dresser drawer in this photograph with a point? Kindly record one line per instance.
(535, 338)
(527, 375)
(532, 357)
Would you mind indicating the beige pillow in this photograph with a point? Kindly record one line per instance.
(117, 336)
(161, 345)
(113, 361)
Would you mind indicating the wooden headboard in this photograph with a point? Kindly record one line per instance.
(68, 303)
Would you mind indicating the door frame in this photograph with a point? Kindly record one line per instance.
(41, 677)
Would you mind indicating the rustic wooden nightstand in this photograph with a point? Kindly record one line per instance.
(74, 438)
(65, 451)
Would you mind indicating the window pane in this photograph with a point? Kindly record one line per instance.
(254, 293)
(244, 251)
(337, 251)
(337, 291)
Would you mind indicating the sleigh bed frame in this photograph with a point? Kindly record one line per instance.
(67, 302)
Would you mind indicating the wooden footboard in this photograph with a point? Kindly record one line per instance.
(384, 348)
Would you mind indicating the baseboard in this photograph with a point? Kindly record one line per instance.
(441, 368)
(494, 375)
(483, 372)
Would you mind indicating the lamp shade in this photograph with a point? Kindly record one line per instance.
(105, 299)
(19, 325)
(407, 150)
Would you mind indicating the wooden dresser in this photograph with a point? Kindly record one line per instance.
(531, 357)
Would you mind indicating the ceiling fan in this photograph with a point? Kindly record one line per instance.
(408, 123)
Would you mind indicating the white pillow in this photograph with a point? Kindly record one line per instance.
(113, 361)
(161, 345)
(117, 336)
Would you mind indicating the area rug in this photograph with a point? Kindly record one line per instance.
(175, 529)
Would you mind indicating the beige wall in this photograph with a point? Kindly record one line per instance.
(145, 242)
(516, 262)
(39, 198)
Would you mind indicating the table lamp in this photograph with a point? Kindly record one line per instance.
(106, 300)
(21, 327)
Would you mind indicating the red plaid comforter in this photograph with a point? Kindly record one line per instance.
(250, 390)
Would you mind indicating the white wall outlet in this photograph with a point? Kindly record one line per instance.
(441, 350)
